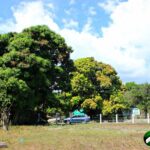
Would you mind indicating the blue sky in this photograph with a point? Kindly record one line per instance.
(108, 30)
(78, 10)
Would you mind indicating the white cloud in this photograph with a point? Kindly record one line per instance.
(71, 2)
(70, 23)
(68, 11)
(51, 6)
(109, 5)
(128, 38)
(92, 11)
(124, 43)
(88, 26)
(28, 14)
(83, 43)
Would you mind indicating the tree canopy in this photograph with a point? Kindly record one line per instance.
(33, 64)
(138, 95)
(92, 83)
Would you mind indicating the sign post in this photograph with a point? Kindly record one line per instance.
(132, 118)
(100, 118)
(148, 120)
(116, 118)
(135, 111)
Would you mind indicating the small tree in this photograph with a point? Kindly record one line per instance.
(11, 90)
(5, 103)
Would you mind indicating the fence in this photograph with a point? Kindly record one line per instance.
(117, 118)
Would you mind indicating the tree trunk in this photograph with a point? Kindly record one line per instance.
(5, 120)
(146, 111)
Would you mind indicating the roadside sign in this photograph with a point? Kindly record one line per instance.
(135, 111)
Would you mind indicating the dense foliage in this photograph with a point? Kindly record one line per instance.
(138, 95)
(93, 85)
(33, 64)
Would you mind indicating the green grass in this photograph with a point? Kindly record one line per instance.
(92, 136)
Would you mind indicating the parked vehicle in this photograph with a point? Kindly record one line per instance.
(77, 119)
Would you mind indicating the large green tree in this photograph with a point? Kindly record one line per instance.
(93, 82)
(38, 59)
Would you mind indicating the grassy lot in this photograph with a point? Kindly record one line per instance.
(92, 136)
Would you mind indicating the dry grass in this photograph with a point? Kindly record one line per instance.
(91, 136)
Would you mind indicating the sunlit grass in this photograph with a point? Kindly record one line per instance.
(92, 136)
